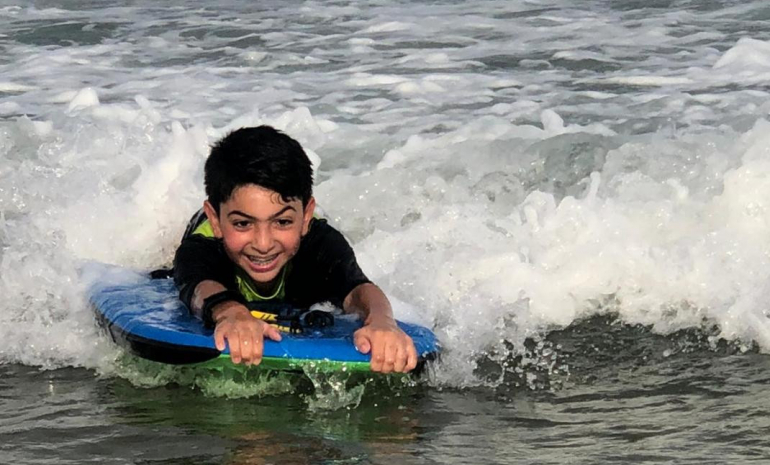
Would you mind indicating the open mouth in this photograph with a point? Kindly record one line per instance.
(262, 264)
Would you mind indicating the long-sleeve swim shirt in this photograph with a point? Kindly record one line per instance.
(323, 270)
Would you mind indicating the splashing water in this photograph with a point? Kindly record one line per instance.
(498, 185)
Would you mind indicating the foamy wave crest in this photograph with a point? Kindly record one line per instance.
(493, 247)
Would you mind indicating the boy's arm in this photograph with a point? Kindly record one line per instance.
(199, 259)
(201, 270)
(392, 350)
(234, 323)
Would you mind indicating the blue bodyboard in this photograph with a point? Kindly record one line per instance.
(145, 316)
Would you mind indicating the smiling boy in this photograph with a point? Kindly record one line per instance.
(256, 240)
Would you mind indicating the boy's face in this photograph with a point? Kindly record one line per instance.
(260, 231)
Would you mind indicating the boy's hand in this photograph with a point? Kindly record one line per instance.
(392, 350)
(244, 333)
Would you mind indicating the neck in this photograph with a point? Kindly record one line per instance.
(264, 291)
(269, 288)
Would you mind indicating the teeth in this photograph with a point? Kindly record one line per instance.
(261, 261)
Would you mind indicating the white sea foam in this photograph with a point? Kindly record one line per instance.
(748, 53)
(651, 80)
(14, 87)
(498, 172)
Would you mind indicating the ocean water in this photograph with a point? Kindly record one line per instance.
(572, 194)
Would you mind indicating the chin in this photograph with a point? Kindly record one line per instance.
(264, 279)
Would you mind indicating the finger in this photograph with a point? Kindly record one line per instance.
(235, 346)
(411, 363)
(378, 357)
(247, 346)
(390, 358)
(362, 343)
(259, 345)
(219, 338)
(272, 333)
(401, 359)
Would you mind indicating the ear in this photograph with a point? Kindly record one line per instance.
(308, 215)
(211, 214)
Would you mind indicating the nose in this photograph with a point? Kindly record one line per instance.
(263, 239)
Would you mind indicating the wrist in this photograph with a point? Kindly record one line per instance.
(380, 320)
(220, 301)
(228, 309)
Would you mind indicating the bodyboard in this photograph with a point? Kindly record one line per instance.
(146, 317)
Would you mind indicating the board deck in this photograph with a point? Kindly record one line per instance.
(146, 317)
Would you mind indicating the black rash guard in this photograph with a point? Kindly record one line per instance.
(323, 270)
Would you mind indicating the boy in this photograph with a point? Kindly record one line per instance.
(258, 241)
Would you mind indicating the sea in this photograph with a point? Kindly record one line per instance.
(573, 194)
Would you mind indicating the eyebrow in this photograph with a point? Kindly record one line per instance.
(276, 215)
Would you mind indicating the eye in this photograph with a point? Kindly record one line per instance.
(284, 222)
(241, 224)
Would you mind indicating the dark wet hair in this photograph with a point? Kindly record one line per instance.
(262, 156)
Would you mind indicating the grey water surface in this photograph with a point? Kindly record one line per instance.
(621, 404)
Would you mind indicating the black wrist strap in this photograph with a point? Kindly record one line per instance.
(213, 300)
